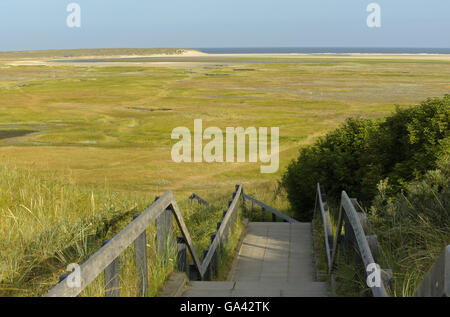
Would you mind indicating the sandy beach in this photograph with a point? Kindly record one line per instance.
(195, 58)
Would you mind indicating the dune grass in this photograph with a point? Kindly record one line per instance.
(413, 227)
(48, 223)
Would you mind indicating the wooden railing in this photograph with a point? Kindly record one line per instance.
(200, 200)
(106, 259)
(210, 260)
(436, 283)
(354, 238)
(265, 208)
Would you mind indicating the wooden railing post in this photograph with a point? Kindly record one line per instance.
(220, 248)
(263, 215)
(181, 255)
(194, 274)
(140, 253)
(215, 258)
(232, 215)
(112, 284)
(244, 201)
(253, 209)
(207, 275)
(349, 236)
(164, 233)
(226, 231)
(373, 245)
(388, 279)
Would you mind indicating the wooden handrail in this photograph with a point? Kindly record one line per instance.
(220, 232)
(199, 199)
(326, 220)
(106, 255)
(97, 263)
(347, 210)
(270, 209)
(437, 281)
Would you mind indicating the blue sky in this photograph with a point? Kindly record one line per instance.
(33, 24)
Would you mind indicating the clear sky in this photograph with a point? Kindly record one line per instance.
(41, 24)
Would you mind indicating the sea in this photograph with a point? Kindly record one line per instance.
(323, 50)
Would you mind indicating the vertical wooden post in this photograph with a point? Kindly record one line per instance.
(220, 247)
(194, 274)
(181, 255)
(348, 234)
(373, 245)
(263, 215)
(225, 232)
(231, 222)
(232, 218)
(140, 253)
(164, 234)
(244, 201)
(207, 276)
(388, 279)
(111, 273)
(215, 258)
(274, 218)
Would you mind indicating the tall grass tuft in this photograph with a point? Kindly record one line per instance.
(48, 222)
(414, 227)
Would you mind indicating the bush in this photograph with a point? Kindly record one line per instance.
(333, 161)
(409, 142)
(362, 152)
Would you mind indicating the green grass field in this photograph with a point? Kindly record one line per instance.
(77, 141)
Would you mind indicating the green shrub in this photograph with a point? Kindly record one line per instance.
(409, 142)
(333, 161)
(362, 152)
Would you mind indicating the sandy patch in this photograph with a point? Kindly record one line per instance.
(200, 59)
(49, 61)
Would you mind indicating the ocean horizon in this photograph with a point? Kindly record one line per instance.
(323, 50)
